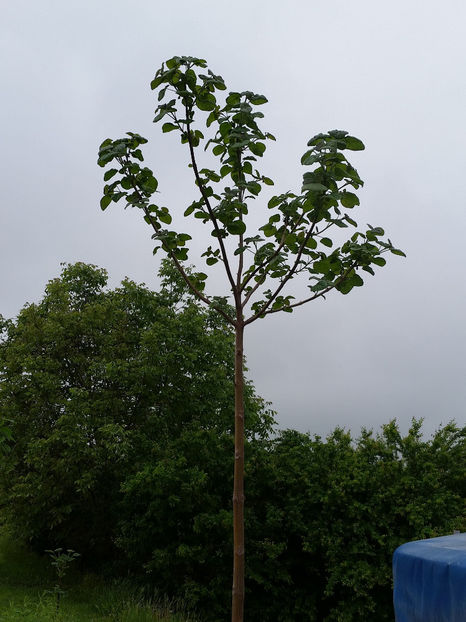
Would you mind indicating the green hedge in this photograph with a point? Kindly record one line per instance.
(322, 520)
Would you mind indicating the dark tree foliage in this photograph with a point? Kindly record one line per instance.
(323, 519)
(176, 521)
(92, 380)
(332, 512)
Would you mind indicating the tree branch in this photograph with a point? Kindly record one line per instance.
(267, 261)
(287, 277)
(302, 302)
(208, 206)
(278, 249)
(156, 227)
(241, 237)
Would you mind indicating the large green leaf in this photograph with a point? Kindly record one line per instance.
(349, 199)
(236, 227)
(165, 218)
(257, 148)
(168, 127)
(314, 187)
(257, 100)
(105, 201)
(354, 144)
(110, 173)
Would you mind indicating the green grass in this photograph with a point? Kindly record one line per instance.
(26, 580)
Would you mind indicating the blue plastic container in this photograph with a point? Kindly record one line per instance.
(430, 580)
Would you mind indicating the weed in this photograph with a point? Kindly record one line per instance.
(61, 561)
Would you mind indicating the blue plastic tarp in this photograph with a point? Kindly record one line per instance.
(430, 580)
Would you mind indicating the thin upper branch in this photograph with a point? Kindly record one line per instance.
(275, 254)
(156, 227)
(241, 237)
(287, 277)
(267, 261)
(209, 207)
(313, 297)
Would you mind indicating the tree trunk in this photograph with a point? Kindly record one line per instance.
(237, 607)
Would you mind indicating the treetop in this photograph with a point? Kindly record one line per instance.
(297, 235)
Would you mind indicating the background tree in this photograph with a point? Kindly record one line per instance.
(92, 380)
(293, 241)
(5, 430)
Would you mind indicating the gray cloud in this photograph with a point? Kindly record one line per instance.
(390, 73)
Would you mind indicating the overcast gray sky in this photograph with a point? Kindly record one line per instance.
(392, 73)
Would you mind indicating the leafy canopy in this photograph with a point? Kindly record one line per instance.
(294, 239)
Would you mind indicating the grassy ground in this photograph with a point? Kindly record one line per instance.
(26, 580)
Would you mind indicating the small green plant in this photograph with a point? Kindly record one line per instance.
(31, 609)
(61, 561)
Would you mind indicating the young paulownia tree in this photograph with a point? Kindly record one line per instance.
(293, 241)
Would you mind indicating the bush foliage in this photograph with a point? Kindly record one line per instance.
(92, 380)
(323, 518)
(119, 403)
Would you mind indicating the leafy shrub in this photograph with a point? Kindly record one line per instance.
(177, 520)
(323, 519)
(333, 512)
(91, 380)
